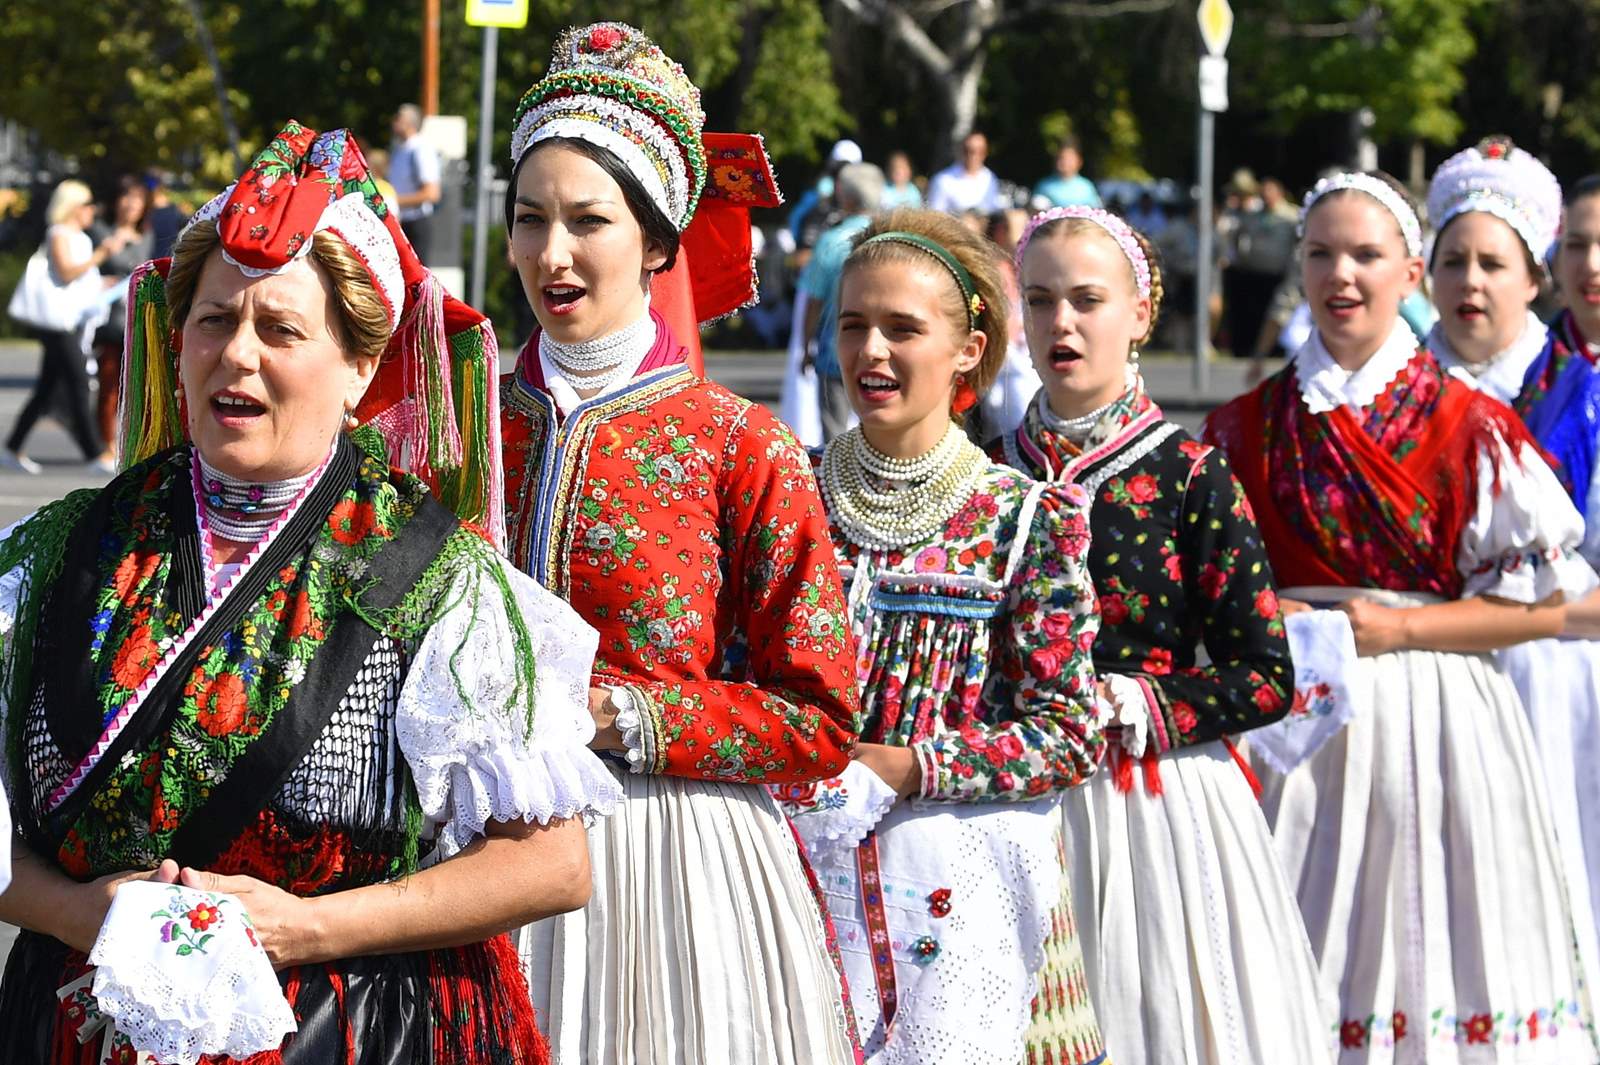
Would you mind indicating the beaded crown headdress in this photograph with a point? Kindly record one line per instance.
(610, 85)
(1118, 230)
(1498, 178)
(433, 400)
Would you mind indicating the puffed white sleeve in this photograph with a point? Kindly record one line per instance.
(463, 724)
(1522, 542)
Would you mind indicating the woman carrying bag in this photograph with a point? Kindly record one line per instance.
(61, 284)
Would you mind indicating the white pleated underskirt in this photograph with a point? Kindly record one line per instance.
(1420, 844)
(1193, 945)
(702, 944)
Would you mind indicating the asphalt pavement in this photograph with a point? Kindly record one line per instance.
(757, 375)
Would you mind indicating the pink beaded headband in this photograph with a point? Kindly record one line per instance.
(1118, 230)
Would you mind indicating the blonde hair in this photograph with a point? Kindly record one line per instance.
(360, 323)
(68, 196)
(978, 255)
(1084, 227)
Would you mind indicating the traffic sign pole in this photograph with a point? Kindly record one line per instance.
(492, 15)
(1216, 29)
(485, 170)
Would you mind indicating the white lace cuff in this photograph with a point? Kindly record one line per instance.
(1130, 713)
(638, 735)
(834, 815)
(463, 727)
(180, 974)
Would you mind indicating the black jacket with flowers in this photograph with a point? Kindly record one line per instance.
(1177, 561)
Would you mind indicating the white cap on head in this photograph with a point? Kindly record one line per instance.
(845, 151)
(1500, 179)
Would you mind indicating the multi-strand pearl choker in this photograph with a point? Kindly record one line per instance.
(882, 503)
(243, 511)
(1078, 429)
(596, 364)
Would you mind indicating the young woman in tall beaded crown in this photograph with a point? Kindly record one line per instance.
(938, 849)
(1194, 947)
(1417, 833)
(683, 523)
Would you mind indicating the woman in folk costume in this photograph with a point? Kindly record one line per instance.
(684, 523)
(1195, 950)
(308, 680)
(1498, 210)
(939, 847)
(1418, 835)
(1560, 397)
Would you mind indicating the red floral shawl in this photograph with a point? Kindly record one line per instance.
(1377, 499)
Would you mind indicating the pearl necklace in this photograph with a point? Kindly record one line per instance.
(596, 364)
(1078, 429)
(243, 511)
(881, 503)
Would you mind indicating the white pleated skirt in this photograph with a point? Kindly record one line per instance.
(1192, 941)
(1422, 850)
(1558, 682)
(703, 943)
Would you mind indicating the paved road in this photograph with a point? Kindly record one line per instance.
(758, 375)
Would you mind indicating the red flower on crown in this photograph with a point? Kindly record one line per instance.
(604, 38)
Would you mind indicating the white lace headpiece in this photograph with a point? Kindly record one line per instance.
(1379, 190)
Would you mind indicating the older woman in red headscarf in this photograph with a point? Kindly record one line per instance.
(314, 702)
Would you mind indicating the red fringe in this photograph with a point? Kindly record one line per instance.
(482, 1008)
(1244, 767)
(1122, 767)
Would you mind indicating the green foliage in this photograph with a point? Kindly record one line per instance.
(1402, 58)
(113, 85)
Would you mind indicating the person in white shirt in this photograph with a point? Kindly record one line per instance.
(415, 174)
(968, 185)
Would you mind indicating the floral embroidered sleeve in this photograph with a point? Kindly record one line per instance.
(791, 715)
(1041, 687)
(1221, 563)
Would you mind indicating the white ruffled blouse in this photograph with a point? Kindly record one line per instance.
(1522, 539)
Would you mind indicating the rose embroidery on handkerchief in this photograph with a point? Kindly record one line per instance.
(199, 918)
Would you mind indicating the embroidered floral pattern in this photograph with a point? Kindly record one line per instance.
(684, 524)
(1451, 1027)
(188, 927)
(1177, 562)
(987, 678)
(240, 681)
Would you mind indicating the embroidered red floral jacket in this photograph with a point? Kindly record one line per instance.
(684, 523)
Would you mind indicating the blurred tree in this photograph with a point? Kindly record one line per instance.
(120, 86)
(115, 86)
(1402, 59)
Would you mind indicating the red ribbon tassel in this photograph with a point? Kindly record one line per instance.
(1244, 767)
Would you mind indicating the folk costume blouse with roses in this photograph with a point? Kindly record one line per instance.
(359, 699)
(683, 522)
(1177, 561)
(974, 652)
(974, 647)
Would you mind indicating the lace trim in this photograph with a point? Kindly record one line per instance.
(1326, 386)
(1501, 375)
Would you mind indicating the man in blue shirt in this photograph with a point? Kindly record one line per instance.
(1066, 187)
(857, 190)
